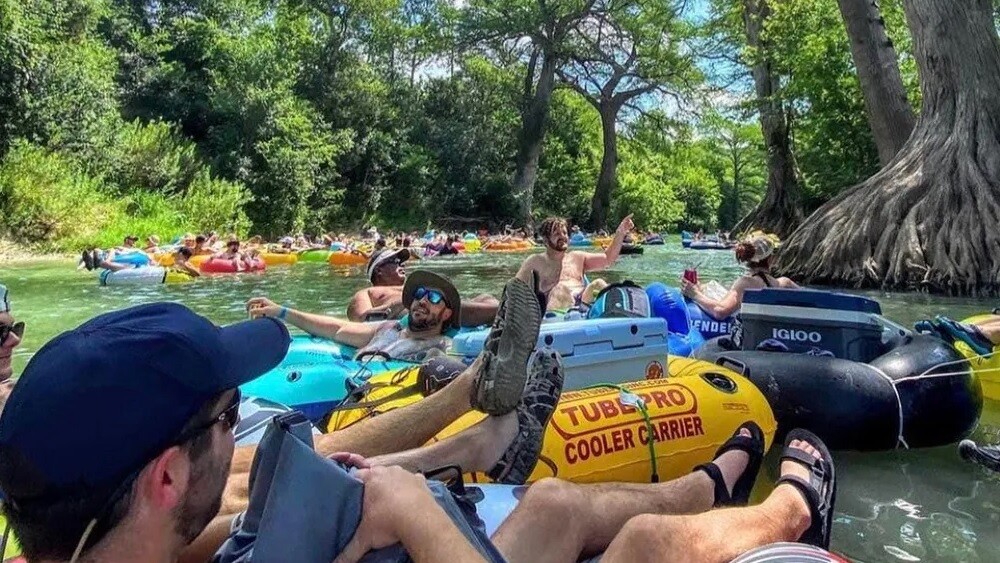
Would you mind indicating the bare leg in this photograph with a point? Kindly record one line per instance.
(476, 449)
(720, 535)
(560, 521)
(990, 329)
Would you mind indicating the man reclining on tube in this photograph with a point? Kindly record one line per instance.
(434, 304)
(384, 300)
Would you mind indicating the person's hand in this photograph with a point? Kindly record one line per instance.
(687, 288)
(391, 494)
(626, 225)
(351, 460)
(263, 307)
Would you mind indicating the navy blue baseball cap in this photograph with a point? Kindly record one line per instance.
(100, 401)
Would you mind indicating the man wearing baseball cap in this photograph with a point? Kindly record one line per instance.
(384, 300)
(116, 442)
(434, 308)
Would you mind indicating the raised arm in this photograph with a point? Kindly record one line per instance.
(594, 261)
(343, 331)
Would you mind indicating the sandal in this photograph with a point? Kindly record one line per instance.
(753, 445)
(541, 395)
(819, 492)
(510, 342)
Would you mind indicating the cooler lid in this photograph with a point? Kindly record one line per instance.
(812, 298)
(583, 336)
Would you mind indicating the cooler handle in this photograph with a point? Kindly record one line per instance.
(735, 365)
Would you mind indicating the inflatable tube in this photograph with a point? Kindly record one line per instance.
(919, 393)
(148, 275)
(706, 324)
(632, 250)
(655, 240)
(580, 240)
(315, 375)
(136, 258)
(276, 259)
(255, 414)
(223, 266)
(708, 245)
(347, 259)
(594, 437)
(337, 246)
(987, 368)
(668, 304)
(314, 255)
(507, 246)
(603, 241)
(473, 245)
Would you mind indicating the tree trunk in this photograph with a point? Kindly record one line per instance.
(889, 113)
(929, 219)
(779, 211)
(530, 140)
(607, 181)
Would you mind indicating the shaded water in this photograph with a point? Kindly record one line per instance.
(920, 505)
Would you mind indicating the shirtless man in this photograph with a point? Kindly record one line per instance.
(434, 304)
(561, 271)
(384, 300)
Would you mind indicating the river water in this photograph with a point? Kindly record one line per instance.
(917, 505)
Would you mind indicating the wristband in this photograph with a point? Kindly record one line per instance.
(283, 313)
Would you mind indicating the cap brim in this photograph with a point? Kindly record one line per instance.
(426, 278)
(254, 348)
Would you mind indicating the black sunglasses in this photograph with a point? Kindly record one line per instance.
(17, 329)
(229, 418)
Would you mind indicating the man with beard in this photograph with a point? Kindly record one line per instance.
(384, 300)
(434, 305)
(562, 272)
(116, 443)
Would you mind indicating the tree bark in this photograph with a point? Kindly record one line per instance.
(531, 137)
(607, 180)
(928, 220)
(889, 113)
(779, 211)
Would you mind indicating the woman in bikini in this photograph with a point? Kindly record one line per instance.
(757, 252)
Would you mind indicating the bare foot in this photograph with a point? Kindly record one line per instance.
(733, 463)
(799, 470)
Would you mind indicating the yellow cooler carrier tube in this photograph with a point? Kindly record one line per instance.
(596, 435)
(986, 368)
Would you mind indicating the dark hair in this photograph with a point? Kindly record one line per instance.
(744, 253)
(184, 251)
(51, 529)
(549, 226)
(200, 238)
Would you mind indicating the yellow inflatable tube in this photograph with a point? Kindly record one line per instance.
(987, 368)
(276, 259)
(596, 437)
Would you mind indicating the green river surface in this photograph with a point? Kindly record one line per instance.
(916, 505)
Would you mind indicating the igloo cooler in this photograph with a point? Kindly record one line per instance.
(802, 320)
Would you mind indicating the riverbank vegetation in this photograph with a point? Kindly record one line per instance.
(278, 116)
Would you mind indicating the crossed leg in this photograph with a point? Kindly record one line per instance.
(561, 521)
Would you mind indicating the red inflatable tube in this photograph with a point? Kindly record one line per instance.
(222, 266)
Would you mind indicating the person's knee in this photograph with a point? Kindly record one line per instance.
(551, 496)
(485, 299)
(647, 537)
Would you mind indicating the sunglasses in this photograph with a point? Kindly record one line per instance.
(433, 296)
(17, 329)
(229, 418)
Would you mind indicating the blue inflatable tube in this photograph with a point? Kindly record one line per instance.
(132, 258)
(668, 304)
(709, 326)
(316, 375)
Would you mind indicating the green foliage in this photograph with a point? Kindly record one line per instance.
(281, 116)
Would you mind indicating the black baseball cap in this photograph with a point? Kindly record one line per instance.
(100, 401)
